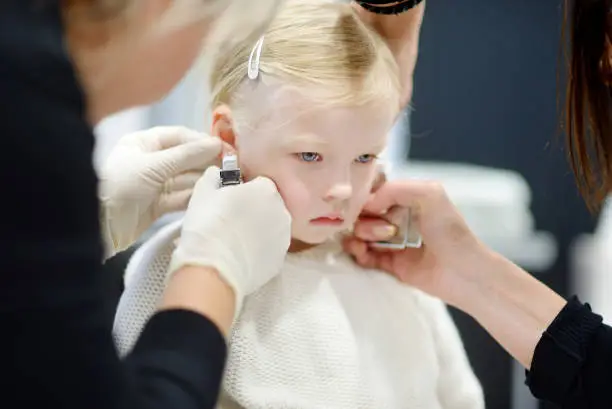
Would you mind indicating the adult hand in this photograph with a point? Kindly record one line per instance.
(148, 174)
(453, 265)
(242, 231)
(449, 253)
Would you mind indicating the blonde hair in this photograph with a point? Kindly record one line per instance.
(321, 48)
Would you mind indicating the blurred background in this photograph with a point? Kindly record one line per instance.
(485, 121)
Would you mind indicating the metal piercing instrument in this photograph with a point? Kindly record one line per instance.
(407, 236)
(230, 171)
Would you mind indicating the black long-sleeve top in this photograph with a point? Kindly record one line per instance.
(56, 347)
(572, 363)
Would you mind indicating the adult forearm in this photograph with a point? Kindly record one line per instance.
(401, 33)
(203, 291)
(513, 306)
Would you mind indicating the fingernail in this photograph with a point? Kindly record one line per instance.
(384, 232)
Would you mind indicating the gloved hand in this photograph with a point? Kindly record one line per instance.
(150, 173)
(242, 231)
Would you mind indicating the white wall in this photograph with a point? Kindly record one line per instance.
(109, 131)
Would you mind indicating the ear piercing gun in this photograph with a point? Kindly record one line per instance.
(230, 171)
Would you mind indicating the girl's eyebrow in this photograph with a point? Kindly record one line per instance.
(305, 138)
(317, 141)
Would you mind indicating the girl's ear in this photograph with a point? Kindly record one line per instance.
(222, 127)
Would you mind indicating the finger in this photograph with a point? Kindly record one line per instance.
(355, 248)
(176, 201)
(371, 258)
(264, 184)
(209, 182)
(226, 149)
(411, 263)
(385, 262)
(374, 229)
(184, 181)
(190, 156)
(405, 193)
(380, 179)
(171, 136)
(360, 252)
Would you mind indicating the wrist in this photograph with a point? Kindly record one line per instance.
(386, 7)
(480, 279)
(210, 255)
(471, 278)
(204, 291)
(513, 306)
(496, 280)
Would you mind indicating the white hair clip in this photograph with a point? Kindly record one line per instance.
(253, 67)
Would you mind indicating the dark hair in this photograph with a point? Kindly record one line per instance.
(588, 111)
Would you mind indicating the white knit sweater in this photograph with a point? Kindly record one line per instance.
(323, 334)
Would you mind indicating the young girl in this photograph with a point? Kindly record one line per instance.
(309, 105)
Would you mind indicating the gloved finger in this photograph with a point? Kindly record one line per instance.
(161, 137)
(176, 201)
(183, 181)
(171, 136)
(189, 156)
(264, 187)
(226, 149)
(179, 200)
(209, 182)
(263, 184)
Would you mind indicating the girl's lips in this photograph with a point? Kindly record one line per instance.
(328, 221)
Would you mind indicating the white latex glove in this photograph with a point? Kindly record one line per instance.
(242, 231)
(148, 174)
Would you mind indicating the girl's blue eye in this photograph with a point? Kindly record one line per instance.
(365, 158)
(309, 156)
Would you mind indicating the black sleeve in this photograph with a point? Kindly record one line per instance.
(56, 347)
(572, 363)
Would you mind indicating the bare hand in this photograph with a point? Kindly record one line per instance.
(450, 250)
